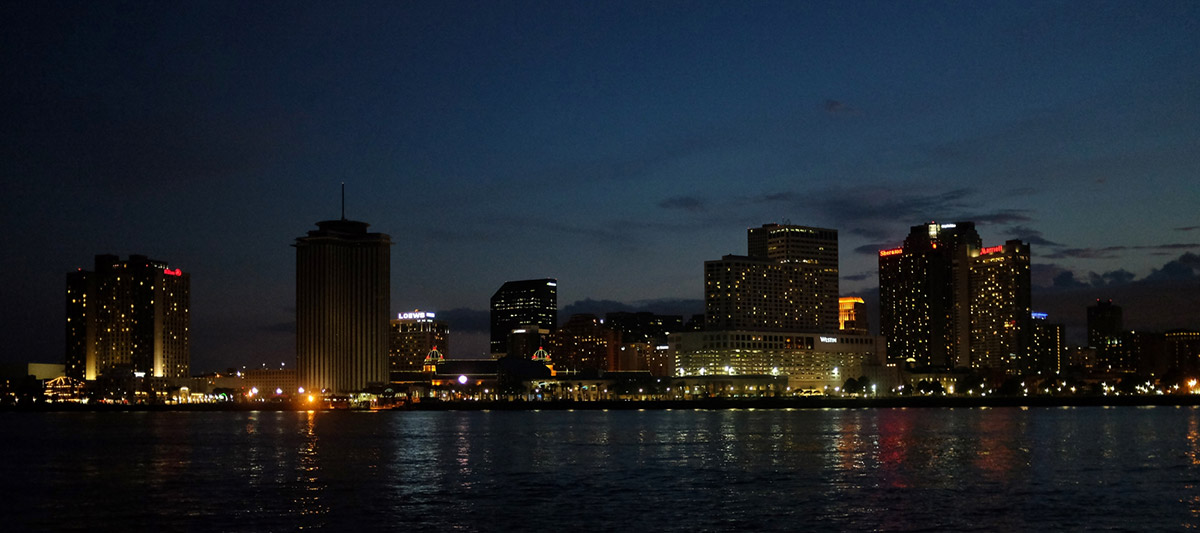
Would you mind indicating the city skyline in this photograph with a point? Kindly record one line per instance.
(614, 147)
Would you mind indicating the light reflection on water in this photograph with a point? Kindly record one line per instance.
(889, 469)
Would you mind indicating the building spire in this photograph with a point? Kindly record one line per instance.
(343, 200)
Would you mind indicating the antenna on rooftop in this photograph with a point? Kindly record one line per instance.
(343, 200)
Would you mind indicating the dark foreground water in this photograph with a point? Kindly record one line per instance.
(1003, 469)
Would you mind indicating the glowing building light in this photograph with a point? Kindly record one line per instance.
(462, 380)
(170, 272)
(991, 250)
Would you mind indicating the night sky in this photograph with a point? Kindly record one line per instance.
(612, 145)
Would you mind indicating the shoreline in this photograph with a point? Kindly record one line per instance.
(919, 402)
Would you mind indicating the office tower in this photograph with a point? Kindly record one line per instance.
(1182, 349)
(1000, 290)
(1105, 325)
(413, 336)
(787, 282)
(812, 253)
(1046, 344)
(128, 318)
(342, 307)
(522, 304)
(852, 315)
(775, 311)
(585, 344)
(924, 295)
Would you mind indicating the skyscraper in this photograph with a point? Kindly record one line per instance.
(924, 295)
(343, 296)
(519, 304)
(126, 318)
(788, 281)
(1046, 344)
(1105, 323)
(1001, 289)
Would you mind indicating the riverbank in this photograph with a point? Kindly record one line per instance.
(705, 404)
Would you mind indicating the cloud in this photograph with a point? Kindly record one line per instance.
(1003, 216)
(861, 276)
(685, 203)
(835, 107)
(667, 306)
(1030, 236)
(1112, 278)
(1188, 228)
(873, 249)
(467, 320)
(1185, 268)
(1113, 252)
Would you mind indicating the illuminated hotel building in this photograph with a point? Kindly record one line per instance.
(1000, 307)
(947, 301)
(127, 318)
(522, 304)
(924, 295)
(816, 363)
(342, 307)
(775, 311)
(413, 336)
(788, 281)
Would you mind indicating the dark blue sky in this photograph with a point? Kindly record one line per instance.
(613, 145)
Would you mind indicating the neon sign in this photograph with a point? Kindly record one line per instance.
(991, 250)
(170, 272)
(829, 339)
(416, 315)
(893, 251)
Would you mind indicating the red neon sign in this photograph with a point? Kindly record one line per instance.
(170, 272)
(893, 251)
(991, 250)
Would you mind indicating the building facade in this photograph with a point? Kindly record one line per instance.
(585, 344)
(413, 336)
(1105, 323)
(812, 363)
(852, 315)
(128, 318)
(1000, 296)
(522, 304)
(1046, 344)
(924, 295)
(343, 296)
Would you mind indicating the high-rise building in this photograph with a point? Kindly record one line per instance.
(1182, 349)
(812, 255)
(521, 304)
(1046, 344)
(787, 282)
(413, 336)
(924, 295)
(127, 318)
(343, 296)
(852, 315)
(1000, 290)
(1105, 325)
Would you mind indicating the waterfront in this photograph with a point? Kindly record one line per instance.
(777, 469)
